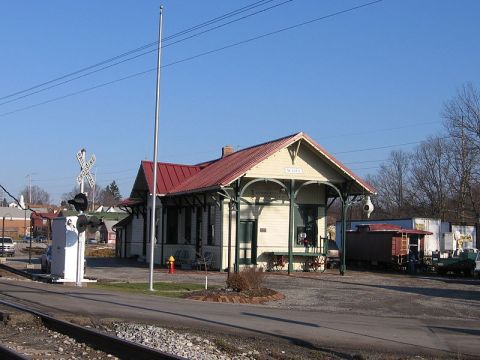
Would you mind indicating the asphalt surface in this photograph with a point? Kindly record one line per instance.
(393, 313)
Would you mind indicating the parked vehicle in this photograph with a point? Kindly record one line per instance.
(46, 260)
(460, 261)
(40, 238)
(26, 238)
(7, 246)
(477, 266)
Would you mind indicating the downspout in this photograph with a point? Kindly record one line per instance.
(291, 231)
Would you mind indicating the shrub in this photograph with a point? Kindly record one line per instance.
(247, 279)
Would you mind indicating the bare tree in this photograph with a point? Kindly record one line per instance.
(35, 195)
(462, 120)
(93, 195)
(392, 184)
(430, 173)
(111, 196)
(462, 115)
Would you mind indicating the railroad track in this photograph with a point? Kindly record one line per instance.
(123, 349)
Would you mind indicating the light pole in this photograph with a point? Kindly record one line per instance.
(3, 232)
(155, 153)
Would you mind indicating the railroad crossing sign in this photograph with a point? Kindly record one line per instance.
(85, 168)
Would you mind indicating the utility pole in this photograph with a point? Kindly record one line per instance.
(155, 154)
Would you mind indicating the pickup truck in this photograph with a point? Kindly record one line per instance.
(460, 261)
(7, 246)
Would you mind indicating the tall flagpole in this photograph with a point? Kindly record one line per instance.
(155, 150)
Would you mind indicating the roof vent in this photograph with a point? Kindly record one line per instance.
(227, 150)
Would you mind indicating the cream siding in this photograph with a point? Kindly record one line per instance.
(307, 166)
(269, 205)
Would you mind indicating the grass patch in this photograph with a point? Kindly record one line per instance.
(161, 288)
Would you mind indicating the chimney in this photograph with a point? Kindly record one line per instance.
(227, 150)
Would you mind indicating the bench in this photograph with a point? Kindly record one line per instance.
(312, 260)
(205, 260)
(182, 257)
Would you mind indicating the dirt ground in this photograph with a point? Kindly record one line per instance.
(370, 293)
(423, 296)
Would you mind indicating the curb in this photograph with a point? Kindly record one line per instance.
(238, 299)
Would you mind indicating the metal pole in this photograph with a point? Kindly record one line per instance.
(78, 280)
(29, 189)
(3, 236)
(82, 186)
(30, 249)
(343, 266)
(155, 150)
(291, 226)
(237, 228)
(229, 263)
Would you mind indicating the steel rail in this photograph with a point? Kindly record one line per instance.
(9, 354)
(123, 349)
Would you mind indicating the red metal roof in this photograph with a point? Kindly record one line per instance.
(168, 175)
(392, 228)
(177, 178)
(224, 171)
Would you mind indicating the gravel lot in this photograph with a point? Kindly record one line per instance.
(359, 292)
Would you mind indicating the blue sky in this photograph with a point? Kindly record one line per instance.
(374, 77)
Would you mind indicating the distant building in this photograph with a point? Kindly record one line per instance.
(433, 241)
(17, 222)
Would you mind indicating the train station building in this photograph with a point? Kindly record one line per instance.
(243, 208)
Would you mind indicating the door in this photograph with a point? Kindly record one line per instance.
(248, 242)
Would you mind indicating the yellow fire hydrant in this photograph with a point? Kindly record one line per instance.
(171, 265)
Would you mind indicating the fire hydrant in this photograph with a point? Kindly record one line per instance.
(171, 265)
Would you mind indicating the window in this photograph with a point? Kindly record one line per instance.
(211, 225)
(305, 225)
(172, 225)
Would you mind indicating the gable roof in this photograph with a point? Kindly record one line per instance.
(176, 179)
(224, 171)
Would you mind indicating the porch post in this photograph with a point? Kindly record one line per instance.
(237, 228)
(343, 266)
(291, 232)
(229, 250)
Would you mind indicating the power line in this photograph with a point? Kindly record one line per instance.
(195, 56)
(22, 207)
(406, 126)
(383, 147)
(146, 46)
(363, 162)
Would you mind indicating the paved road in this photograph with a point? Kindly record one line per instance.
(313, 329)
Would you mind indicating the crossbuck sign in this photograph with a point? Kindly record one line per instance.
(85, 168)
